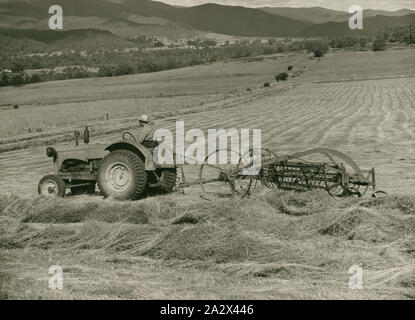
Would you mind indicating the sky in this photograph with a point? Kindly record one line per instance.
(343, 5)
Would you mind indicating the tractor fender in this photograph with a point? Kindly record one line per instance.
(141, 151)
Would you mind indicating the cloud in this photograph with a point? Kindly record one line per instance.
(331, 4)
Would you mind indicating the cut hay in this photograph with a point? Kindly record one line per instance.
(262, 237)
(298, 203)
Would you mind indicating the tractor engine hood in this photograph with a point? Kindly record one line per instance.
(83, 152)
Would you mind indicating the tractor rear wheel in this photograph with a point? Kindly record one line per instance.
(52, 185)
(169, 180)
(122, 176)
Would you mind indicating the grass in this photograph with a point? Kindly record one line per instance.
(226, 248)
(56, 104)
(361, 65)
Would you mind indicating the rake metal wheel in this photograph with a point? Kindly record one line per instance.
(266, 155)
(379, 194)
(225, 179)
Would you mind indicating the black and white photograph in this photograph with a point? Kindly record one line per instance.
(230, 151)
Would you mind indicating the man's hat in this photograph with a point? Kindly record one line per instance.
(143, 118)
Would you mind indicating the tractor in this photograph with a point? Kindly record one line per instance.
(123, 170)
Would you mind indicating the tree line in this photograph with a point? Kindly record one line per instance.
(108, 63)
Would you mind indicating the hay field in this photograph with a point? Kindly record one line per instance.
(60, 103)
(275, 245)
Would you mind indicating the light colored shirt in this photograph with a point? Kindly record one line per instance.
(146, 134)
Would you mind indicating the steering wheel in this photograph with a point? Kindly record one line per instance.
(131, 136)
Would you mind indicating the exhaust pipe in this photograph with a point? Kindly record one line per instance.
(86, 135)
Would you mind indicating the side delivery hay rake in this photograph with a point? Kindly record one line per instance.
(298, 172)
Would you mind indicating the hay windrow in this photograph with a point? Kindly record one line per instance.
(298, 203)
(254, 238)
(81, 209)
(405, 204)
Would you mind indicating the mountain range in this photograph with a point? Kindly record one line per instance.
(322, 15)
(137, 17)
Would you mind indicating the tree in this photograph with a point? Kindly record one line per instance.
(158, 44)
(318, 47)
(404, 34)
(379, 44)
(209, 43)
(105, 71)
(318, 53)
(4, 79)
(123, 69)
(281, 76)
(17, 80)
(17, 67)
(35, 78)
(362, 42)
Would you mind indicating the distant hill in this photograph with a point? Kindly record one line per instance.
(322, 15)
(39, 8)
(49, 36)
(370, 26)
(237, 20)
(179, 21)
(85, 8)
(83, 39)
(314, 14)
(398, 13)
(208, 17)
(132, 18)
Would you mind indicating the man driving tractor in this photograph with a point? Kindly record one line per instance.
(145, 136)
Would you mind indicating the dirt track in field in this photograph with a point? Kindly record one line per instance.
(372, 121)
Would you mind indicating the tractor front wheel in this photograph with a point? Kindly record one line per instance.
(52, 185)
(122, 176)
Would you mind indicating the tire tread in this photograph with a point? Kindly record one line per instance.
(138, 171)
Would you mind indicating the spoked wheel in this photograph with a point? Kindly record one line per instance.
(331, 181)
(379, 194)
(250, 159)
(221, 174)
(354, 191)
(52, 185)
(335, 189)
(265, 153)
